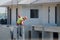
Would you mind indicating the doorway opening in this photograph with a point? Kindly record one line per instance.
(40, 35)
(3, 15)
(29, 35)
(55, 36)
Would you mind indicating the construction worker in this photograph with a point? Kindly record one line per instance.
(20, 22)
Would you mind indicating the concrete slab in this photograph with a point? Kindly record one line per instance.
(5, 33)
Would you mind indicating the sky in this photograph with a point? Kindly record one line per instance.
(3, 9)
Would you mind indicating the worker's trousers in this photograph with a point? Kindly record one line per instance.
(19, 31)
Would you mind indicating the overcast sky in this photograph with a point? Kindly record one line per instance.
(2, 10)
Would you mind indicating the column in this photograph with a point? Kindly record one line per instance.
(58, 15)
(23, 32)
(51, 36)
(42, 35)
(8, 15)
(13, 16)
(59, 36)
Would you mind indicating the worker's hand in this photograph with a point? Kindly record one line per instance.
(25, 18)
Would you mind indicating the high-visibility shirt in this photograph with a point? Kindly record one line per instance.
(19, 20)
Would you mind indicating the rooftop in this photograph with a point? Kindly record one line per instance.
(29, 2)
